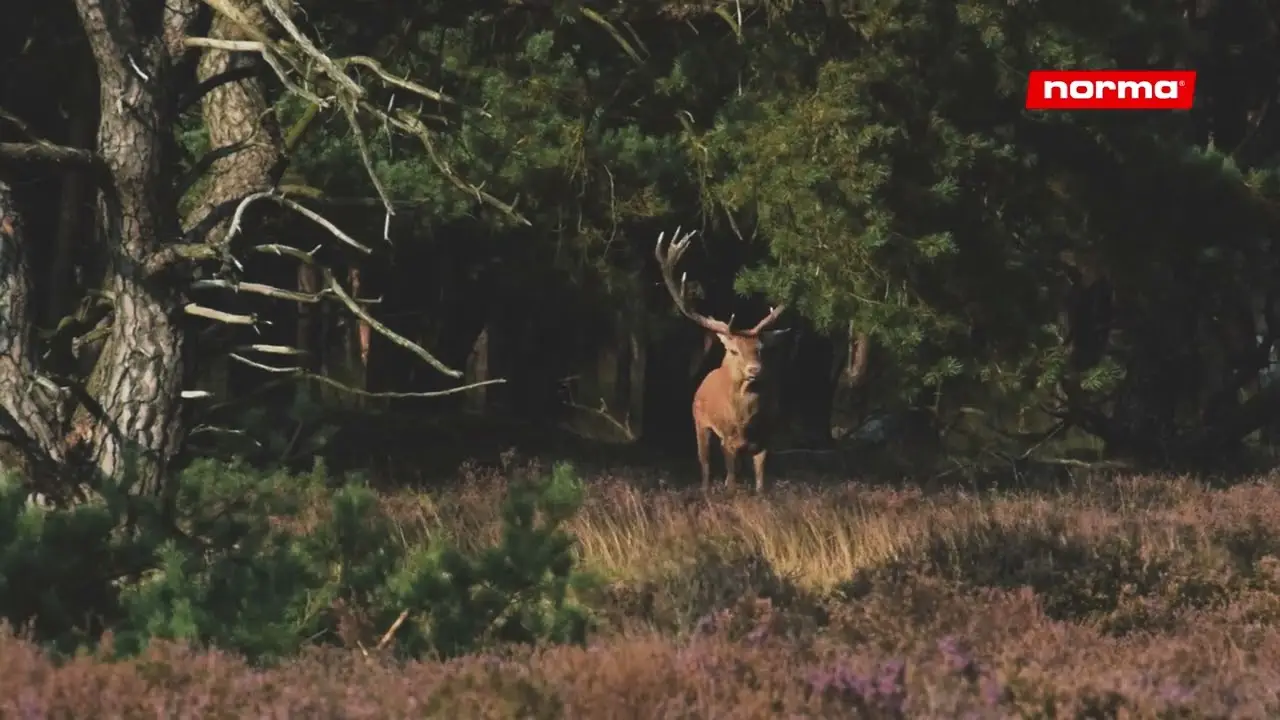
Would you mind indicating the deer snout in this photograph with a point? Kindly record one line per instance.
(751, 371)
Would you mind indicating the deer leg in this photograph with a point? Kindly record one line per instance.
(703, 435)
(758, 461)
(730, 464)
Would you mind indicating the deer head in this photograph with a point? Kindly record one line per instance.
(744, 349)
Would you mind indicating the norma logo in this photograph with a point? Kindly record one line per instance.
(1111, 89)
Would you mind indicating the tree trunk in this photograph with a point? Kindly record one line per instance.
(135, 387)
(128, 412)
(477, 400)
(636, 345)
(237, 114)
(28, 399)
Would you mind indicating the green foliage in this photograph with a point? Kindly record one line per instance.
(58, 570)
(516, 592)
(876, 169)
(266, 563)
(232, 579)
(884, 160)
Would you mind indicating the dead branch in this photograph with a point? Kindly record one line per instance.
(49, 153)
(402, 120)
(313, 54)
(219, 316)
(171, 255)
(242, 22)
(603, 413)
(402, 83)
(18, 123)
(39, 150)
(372, 394)
(272, 349)
(362, 145)
(200, 429)
(287, 251)
(391, 631)
(269, 56)
(227, 45)
(333, 287)
(270, 291)
(336, 288)
(308, 72)
(313, 216)
(261, 366)
(316, 196)
(300, 63)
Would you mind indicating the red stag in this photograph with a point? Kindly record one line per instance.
(737, 401)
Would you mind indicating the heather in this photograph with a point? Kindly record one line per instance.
(528, 591)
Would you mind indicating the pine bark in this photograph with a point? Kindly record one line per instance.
(125, 419)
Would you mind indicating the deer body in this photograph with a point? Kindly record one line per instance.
(738, 401)
(740, 414)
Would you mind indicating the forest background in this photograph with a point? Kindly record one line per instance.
(245, 239)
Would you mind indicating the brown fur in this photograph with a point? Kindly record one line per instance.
(737, 402)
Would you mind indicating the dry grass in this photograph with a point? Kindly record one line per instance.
(819, 538)
(1130, 597)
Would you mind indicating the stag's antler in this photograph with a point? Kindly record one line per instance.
(768, 320)
(667, 261)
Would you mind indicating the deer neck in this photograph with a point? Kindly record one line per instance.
(746, 394)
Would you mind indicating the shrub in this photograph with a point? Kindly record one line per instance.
(59, 569)
(264, 564)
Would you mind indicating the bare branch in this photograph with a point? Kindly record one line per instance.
(263, 48)
(237, 16)
(383, 330)
(18, 123)
(286, 251)
(306, 212)
(42, 151)
(402, 83)
(301, 65)
(223, 317)
(260, 366)
(331, 68)
(199, 429)
(371, 394)
(170, 255)
(391, 631)
(273, 349)
(227, 45)
(402, 120)
(366, 157)
(351, 94)
(270, 291)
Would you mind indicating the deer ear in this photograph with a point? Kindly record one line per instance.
(725, 340)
